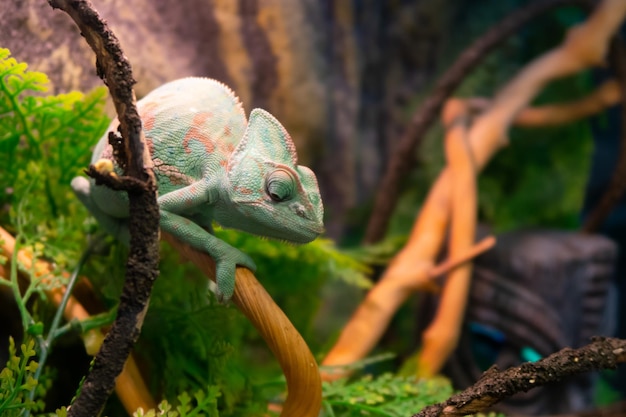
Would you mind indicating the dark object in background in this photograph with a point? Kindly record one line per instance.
(535, 293)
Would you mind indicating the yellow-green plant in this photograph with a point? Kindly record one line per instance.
(17, 380)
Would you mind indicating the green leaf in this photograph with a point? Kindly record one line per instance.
(28, 350)
(61, 412)
(35, 329)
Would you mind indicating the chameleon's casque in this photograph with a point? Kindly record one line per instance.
(213, 165)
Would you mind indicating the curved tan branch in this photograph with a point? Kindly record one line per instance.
(299, 366)
(442, 335)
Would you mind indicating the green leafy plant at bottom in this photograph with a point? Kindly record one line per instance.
(203, 404)
(387, 395)
(17, 380)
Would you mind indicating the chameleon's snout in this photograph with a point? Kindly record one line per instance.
(314, 232)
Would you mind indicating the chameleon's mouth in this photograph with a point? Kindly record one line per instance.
(280, 225)
(300, 235)
(312, 235)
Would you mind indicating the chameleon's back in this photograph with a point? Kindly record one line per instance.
(191, 127)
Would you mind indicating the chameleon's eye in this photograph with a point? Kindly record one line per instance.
(279, 185)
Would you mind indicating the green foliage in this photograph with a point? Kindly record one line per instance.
(17, 380)
(44, 140)
(44, 143)
(538, 181)
(61, 412)
(38, 341)
(379, 254)
(385, 396)
(202, 405)
(319, 258)
(189, 339)
(294, 274)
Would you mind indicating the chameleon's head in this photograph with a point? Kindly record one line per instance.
(268, 193)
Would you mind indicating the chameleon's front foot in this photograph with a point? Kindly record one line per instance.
(225, 256)
(225, 273)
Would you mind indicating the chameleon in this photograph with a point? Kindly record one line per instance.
(212, 165)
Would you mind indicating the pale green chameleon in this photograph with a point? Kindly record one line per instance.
(212, 165)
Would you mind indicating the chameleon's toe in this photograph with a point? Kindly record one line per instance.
(244, 260)
(225, 280)
(225, 274)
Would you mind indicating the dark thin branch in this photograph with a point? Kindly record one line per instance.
(142, 264)
(402, 157)
(617, 185)
(495, 385)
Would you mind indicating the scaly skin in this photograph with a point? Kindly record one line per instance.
(213, 165)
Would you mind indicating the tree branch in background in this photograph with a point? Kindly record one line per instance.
(452, 262)
(133, 156)
(441, 336)
(403, 154)
(494, 386)
(606, 95)
(617, 186)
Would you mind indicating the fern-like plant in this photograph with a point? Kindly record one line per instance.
(385, 396)
(17, 380)
(45, 141)
(203, 404)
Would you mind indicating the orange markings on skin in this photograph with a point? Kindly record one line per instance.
(243, 190)
(148, 115)
(172, 173)
(196, 133)
(226, 148)
(150, 145)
